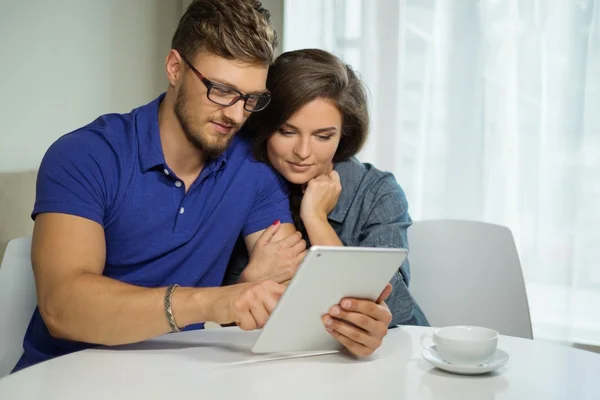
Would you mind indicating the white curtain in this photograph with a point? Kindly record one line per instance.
(487, 110)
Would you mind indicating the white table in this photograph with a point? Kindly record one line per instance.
(215, 364)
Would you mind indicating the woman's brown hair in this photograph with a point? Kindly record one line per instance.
(297, 78)
(301, 76)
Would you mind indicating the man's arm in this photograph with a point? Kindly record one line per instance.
(78, 303)
(275, 250)
(284, 231)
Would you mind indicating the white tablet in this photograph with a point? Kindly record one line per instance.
(326, 275)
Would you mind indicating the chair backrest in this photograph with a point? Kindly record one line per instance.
(468, 273)
(17, 301)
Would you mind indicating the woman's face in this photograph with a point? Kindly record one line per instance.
(304, 146)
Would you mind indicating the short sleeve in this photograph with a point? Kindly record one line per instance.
(271, 202)
(73, 177)
(386, 226)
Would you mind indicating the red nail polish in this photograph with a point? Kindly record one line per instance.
(276, 222)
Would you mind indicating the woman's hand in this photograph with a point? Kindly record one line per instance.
(360, 325)
(320, 196)
(274, 260)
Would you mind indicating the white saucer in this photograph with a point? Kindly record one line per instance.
(499, 359)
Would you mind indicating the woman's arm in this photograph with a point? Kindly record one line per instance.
(319, 200)
(386, 226)
(320, 232)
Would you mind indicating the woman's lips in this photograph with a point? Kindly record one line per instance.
(299, 167)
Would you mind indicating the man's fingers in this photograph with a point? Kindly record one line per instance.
(274, 288)
(385, 294)
(246, 321)
(259, 313)
(270, 303)
(267, 235)
(268, 296)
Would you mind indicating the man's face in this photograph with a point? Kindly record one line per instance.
(208, 126)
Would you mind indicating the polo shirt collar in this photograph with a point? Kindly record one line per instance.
(146, 123)
(150, 148)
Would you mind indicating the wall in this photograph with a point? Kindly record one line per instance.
(276, 8)
(64, 62)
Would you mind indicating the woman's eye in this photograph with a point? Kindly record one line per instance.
(324, 137)
(286, 133)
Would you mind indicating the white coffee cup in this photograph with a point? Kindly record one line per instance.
(467, 345)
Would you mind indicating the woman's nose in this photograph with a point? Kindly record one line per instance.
(302, 149)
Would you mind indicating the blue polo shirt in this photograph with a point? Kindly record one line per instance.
(113, 172)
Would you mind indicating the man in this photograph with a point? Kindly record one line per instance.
(131, 206)
(136, 215)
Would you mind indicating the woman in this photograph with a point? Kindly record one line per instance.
(315, 124)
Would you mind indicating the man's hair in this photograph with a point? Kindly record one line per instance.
(301, 76)
(232, 29)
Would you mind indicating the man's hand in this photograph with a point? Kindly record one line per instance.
(247, 304)
(360, 325)
(275, 260)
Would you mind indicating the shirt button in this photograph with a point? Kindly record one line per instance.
(178, 183)
(166, 171)
(181, 210)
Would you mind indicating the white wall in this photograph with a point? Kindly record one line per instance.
(276, 8)
(64, 62)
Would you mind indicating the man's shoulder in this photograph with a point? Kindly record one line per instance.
(240, 153)
(110, 136)
(240, 148)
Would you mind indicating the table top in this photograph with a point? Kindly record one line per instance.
(217, 363)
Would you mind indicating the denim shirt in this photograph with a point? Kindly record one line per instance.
(372, 211)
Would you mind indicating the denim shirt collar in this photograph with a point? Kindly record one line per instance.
(350, 179)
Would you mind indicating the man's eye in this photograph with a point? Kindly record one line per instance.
(222, 91)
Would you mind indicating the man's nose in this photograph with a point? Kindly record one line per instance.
(236, 112)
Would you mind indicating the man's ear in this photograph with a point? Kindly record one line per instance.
(173, 67)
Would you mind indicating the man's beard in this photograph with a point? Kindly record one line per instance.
(210, 148)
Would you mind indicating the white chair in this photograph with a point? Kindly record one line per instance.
(468, 273)
(17, 301)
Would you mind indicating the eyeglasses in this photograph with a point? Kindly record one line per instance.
(224, 95)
